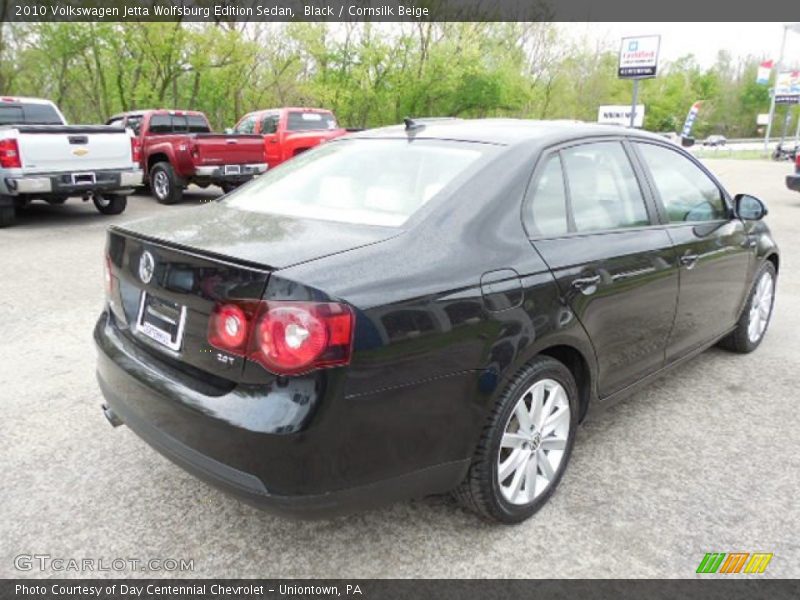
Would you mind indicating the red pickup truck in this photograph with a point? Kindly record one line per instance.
(178, 148)
(289, 131)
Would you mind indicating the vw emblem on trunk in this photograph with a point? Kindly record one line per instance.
(147, 266)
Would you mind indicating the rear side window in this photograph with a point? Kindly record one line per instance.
(197, 124)
(548, 207)
(160, 124)
(603, 190)
(687, 193)
(309, 121)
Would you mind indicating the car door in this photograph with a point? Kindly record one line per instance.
(594, 226)
(272, 146)
(712, 245)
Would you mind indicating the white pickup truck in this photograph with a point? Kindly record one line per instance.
(41, 157)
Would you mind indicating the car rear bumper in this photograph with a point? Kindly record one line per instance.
(254, 442)
(221, 173)
(71, 183)
(793, 182)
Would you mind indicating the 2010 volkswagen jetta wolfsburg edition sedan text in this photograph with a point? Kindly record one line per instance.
(424, 309)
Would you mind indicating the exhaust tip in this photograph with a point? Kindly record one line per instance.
(111, 416)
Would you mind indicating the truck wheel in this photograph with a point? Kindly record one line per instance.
(164, 184)
(110, 204)
(7, 216)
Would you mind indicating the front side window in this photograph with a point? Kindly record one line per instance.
(135, 123)
(687, 193)
(269, 124)
(370, 182)
(603, 190)
(548, 207)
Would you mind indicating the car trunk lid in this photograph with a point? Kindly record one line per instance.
(163, 296)
(259, 239)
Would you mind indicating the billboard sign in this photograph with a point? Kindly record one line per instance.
(638, 57)
(787, 87)
(763, 73)
(620, 115)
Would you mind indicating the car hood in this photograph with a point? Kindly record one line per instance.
(266, 240)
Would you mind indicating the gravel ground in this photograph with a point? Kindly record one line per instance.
(704, 460)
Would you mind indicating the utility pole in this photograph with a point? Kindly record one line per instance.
(635, 102)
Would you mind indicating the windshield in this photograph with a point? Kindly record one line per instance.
(369, 182)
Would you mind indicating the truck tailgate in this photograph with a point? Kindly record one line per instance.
(220, 149)
(60, 148)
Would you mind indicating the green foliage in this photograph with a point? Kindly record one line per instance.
(370, 74)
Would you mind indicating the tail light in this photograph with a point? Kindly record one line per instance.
(136, 150)
(9, 154)
(797, 161)
(285, 337)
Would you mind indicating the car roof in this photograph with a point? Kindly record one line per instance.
(504, 132)
(143, 111)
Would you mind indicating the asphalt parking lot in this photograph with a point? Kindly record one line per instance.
(704, 460)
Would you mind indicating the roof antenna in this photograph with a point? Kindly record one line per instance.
(411, 124)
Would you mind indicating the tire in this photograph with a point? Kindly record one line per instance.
(8, 214)
(483, 491)
(164, 184)
(757, 312)
(110, 204)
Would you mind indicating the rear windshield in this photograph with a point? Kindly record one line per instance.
(29, 114)
(309, 121)
(369, 182)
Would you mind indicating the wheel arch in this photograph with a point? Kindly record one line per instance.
(156, 158)
(774, 259)
(578, 365)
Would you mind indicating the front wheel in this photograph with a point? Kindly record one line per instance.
(756, 315)
(110, 204)
(525, 446)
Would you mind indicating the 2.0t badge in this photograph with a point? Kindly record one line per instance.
(147, 266)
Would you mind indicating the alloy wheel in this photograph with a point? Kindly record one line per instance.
(761, 307)
(533, 443)
(161, 184)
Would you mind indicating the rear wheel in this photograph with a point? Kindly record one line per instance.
(164, 184)
(526, 445)
(8, 215)
(756, 315)
(110, 204)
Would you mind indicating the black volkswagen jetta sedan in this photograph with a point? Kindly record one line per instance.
(424, 309)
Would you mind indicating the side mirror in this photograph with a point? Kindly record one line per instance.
(228, 130)
(749, 207)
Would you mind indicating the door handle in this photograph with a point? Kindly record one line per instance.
(586, 285)
(689, 260)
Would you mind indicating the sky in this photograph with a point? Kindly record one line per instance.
(703, 40)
